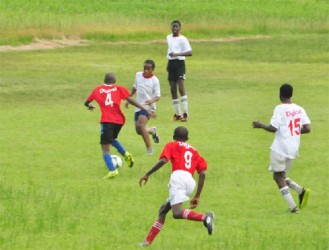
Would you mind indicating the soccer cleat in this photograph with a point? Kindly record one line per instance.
(184, 118)
(155, 136)
(144, 244)
(303, 198)
(129, 159)
(176, 118)
(294, 210)
(111, 174)
(209, 222)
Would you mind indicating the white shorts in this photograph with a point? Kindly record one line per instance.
(279, 163)
(180, 187)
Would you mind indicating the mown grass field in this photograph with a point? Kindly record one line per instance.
(52, 195)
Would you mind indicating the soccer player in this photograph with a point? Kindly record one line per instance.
(109, 96)
(184, 160)
(288, 122)
(147, 89)
(178, 48)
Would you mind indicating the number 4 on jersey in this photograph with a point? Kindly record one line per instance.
(108, 101)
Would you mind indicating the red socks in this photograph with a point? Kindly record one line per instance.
(154, 231)
(191, 215)
(157, 226)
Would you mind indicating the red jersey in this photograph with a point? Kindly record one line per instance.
(109, 99)
(183, 157)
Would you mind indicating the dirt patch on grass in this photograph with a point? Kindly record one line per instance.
(218, 40)
(43, 44)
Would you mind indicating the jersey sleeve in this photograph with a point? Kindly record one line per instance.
(305, 119)
(201, 165)
(157, 91)
(91, 97)
(135, 82)
(187, 46)
(275, 120)
(166, 152)
(124, 92)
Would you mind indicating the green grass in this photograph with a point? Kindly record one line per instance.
(52, 191)
(22, 20)
(52, 195)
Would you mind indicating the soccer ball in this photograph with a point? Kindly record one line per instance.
(117, 162)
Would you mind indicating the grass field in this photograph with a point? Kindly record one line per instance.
(52, 195)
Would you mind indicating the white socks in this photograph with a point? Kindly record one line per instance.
(293, 185)
(184, 104)
(175, 103)
(288, 197)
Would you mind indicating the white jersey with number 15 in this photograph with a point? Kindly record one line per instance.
(288, 119)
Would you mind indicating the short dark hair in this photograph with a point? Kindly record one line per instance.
(176, 21)
(109, 78)
(286, 90)
(181, 134)
(151, 62)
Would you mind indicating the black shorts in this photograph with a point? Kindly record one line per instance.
(109, 132)
(176, 70)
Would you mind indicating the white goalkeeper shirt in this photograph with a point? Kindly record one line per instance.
(288, 119)
(177, 44)
(146, 89)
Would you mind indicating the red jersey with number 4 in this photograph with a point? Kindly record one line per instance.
(183, 157)
(109, 99)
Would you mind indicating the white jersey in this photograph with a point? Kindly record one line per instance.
(288, 119)
(177, 44)
(146, 89)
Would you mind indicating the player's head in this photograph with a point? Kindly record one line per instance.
(176, 22)
(149, 66)
(109, 78)
(175, 27)
(286, 91)
(180, 134)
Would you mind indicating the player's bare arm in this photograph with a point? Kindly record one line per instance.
(138, 105)
(89, 106)
(133, 91)
(153, 100)
(187, 53)
(258, 124)
(195, 201)
(155, 168)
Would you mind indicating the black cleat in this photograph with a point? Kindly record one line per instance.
(303, 198)
(184, 118)
(209, 222)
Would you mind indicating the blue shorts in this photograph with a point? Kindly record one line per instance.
(141, 112)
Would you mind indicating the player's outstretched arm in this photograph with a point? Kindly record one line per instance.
(138, 105)
(133, 91)
(157, 166)
(258, 124)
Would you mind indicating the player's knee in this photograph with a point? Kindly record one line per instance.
(177, 215)
(138, 130)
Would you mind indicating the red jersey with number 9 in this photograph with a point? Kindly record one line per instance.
(183, 157)
(109, 99)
